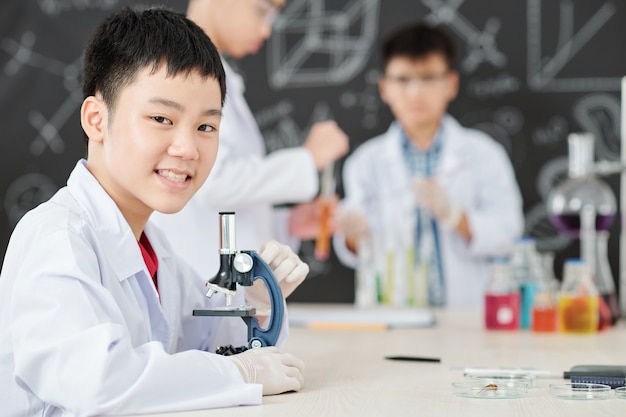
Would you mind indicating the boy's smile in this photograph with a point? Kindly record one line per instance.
(157, 144)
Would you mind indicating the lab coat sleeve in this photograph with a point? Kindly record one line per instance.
(242, 180)
(496, 218)
(74, 351)
(355, 171)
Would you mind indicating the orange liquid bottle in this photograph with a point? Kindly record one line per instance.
(578, 303)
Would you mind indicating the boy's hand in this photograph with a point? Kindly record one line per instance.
(353, 225)
(305, 218)
(278, 372)
(429, 195)
(327, 143)
(288, 270)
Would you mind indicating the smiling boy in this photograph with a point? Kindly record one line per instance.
(95, 308)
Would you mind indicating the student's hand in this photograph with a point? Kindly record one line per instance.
(288, 269)
(353, 225)
(278, 372)
(429, 195)
(327, 143)
(305, 218)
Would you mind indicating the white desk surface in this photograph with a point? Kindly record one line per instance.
(346, 374)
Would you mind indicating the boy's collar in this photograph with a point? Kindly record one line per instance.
(435, 143)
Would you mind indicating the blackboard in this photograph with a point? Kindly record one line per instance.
(531, 73)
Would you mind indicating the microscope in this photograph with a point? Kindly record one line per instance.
(243, 268)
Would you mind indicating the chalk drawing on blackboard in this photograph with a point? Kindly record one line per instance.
(279, 128)
(600, 115)
(547, 237)
(543, 75)
(501, 125)
(481, 45)
(551, 174)
(313, 44)
(55, 7)
(554, 133)
(23, 54)
(492, 87)
(26, 192)
(367, 99)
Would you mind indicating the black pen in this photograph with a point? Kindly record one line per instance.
(413, 358)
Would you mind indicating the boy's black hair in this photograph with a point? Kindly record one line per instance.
(418, 40)
(130, 40)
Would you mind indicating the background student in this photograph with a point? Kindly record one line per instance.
(245, 179)
(95, 308)
(452, 190)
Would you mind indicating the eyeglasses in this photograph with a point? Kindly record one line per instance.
(427, 82)
(268, 10)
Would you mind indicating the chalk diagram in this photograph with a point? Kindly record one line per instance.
(279, 128)
(543, 74)
(55, 7)
(23, 54)
(482, 44)
(31, 189)
(502, 125)
(367, 99)
(25, 193)
(313, 45)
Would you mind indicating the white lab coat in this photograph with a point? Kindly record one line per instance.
(477, 176)
(82, 329)
(244, 180)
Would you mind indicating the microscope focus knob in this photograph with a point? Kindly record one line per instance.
(242, 262)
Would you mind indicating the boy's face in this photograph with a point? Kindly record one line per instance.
(239, 27)
(418, 91)
(156, 147)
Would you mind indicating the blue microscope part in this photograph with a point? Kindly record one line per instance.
(257, 336)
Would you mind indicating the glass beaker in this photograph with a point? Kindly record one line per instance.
(582, 188)
(502, 298)
(544, 314)
(578, 299)
(527, 273)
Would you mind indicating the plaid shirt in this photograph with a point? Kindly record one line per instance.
(423, 164)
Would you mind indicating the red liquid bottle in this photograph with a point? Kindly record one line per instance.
(502, 298)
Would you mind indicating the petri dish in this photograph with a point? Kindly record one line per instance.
(580, 391)
(486, 388)
(530, 380)
(620, 392)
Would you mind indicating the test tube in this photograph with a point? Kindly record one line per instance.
(322, 243)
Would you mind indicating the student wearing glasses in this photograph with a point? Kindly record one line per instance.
(447, 191)
(245, 179)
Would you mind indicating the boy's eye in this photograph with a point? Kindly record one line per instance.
(161, 119)
(206, 128)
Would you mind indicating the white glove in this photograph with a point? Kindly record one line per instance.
(278, 372)
(429, 195)
(353, 224)
(288, 270)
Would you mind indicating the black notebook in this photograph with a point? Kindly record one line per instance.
(611, 375)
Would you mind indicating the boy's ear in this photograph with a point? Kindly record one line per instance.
(381, 88)
(453, 78)
(93, 114)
